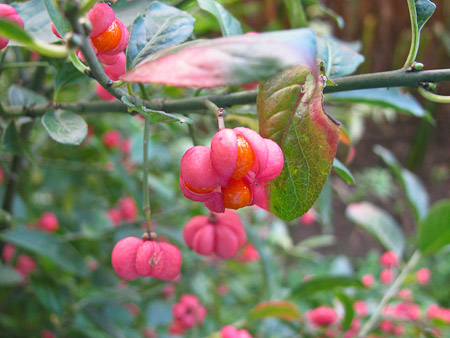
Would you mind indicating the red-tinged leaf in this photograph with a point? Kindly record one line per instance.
(227, 61)
(291, 113)
(281, 309)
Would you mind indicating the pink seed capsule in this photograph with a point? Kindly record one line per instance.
(123, 257)
(101, 17)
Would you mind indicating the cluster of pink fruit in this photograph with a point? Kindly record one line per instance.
(24, 263)
(133, 257)
(125, 211)
(232, 173)
(187, 313)
(9, 13)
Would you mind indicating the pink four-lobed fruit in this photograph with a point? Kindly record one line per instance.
(133, 257)
(48, 222)
(220, 234)
(9, 13)
(188, 312)
(231, 173)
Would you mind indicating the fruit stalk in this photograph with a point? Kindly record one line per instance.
(146, 206)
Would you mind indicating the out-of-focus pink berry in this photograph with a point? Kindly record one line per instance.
(103, 94)
(413, 312)
(222, 289)
(8, 252)
(221, 234)
(112, 139)
(150, 333)
(115, 216)
(125, 147)
(168, 290)
(322, 316)
(361, 308)
(47, 334)
(128, 209)
(386, 326)
(25, 265)
(1, 176)
(405, 294)
(248, 254)
(93, 265)
(48, 222)
(308, 218)
(230, 331)
(386, 276)
(368, 280)
(133, 309)
(423, 276)
(388, 259)
(177, 328)
(399, 330)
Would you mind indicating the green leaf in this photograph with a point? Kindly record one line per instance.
(156, 115)
(379, 224)
(65, 127)
(339, 57)
(280, 309)
(412, 186)
(10, 30)
(231, 60)
(384, 97)
(161, 26)
(36, 19)
(424, 9)
(434, 229)
(68, 74)
(324, 283)
(61, 24)
(11, 141)
(324, 205)
(9, 276)
(50, 246)
(339, 20)
(51, 296)
(296, 13)
(349, 312)
(292, 115)
(343, 171)
(23, 97)
(229, 25)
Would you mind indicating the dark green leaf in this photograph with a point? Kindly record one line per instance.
(156, 115)
(340, 58)
(160, 27)
(343, 171)
(231, 60)
(434, 229)
(65, 127)
(11, 141)
(324, 283)
(229, 25)
(68, 74)
(424, 9)
(384, 97)
(296, 13)
(50, 246)
(292, 115)
(51, 296)
(379, 224)
(413, 188)
(281, 309)
(61, 24)
(9, 276)
(23, 97)
(327, 11)
(10, 30)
